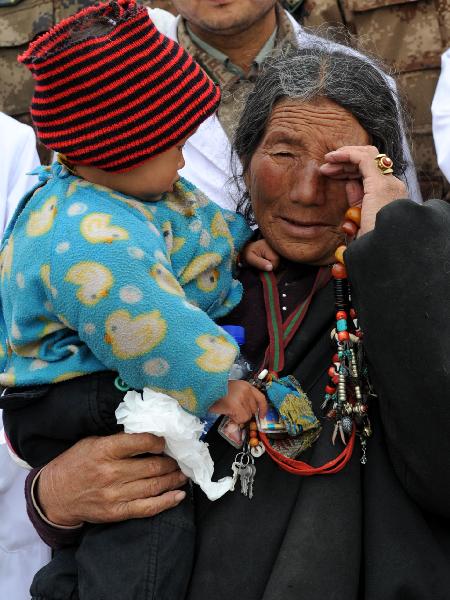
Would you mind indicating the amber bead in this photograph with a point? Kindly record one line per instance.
(253, 426)
(338, 271)
(253, 434)
(343, 336)
(339, 253)
(253, 442)
(354, 214)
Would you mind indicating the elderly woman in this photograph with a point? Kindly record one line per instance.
(308, 141)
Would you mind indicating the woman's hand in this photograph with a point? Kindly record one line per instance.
(241, 403)
(104, 479)
(368, 187)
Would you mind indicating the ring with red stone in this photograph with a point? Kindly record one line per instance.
(384, 163)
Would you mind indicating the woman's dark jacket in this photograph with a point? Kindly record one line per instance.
(374, 532)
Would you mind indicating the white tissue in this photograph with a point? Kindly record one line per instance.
(161, 415)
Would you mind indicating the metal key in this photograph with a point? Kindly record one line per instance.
(235, 469)
(252, 470)
(244, 478)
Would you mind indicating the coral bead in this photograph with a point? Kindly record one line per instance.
(353, 313)
(253, 434)
(335, 358)
(343, 336)
(331, 371)
(253, 442)
(335, 379)
(339, 254)
(341, 314)
(329, 390)
(338, 271)
(354, 214)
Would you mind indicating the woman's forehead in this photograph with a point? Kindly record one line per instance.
(294, 121)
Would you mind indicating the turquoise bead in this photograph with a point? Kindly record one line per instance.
(341, 325)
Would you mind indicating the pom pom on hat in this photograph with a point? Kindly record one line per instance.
(112, 91)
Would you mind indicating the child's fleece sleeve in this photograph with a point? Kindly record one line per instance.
(110, 280)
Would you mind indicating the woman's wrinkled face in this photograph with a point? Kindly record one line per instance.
(298, 210)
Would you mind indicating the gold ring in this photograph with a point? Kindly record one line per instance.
(384, 163)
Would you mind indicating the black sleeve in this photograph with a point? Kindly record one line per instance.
(43, 421)
(400, 276)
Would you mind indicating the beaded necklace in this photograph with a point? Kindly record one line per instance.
(348, 390)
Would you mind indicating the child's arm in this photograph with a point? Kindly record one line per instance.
(241, 402)
(260, 256)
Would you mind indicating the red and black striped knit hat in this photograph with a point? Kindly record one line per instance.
(115, 100)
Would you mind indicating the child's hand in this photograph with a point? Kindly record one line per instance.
(260, 256)
(241, 403)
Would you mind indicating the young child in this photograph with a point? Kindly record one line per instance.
(113, 272)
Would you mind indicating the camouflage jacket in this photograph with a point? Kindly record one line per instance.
(20, 22)
(235, 88)
(409, 36)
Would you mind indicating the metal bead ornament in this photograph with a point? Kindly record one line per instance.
(348, 389)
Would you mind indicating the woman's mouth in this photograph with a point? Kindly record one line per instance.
(302, 229)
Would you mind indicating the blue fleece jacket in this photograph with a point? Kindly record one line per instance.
(93, 279)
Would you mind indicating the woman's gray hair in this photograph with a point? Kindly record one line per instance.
(354, 82)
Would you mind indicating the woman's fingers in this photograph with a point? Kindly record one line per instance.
(362, 157)
(340, 171)
(125, 445)
(149, 488)
(355, 193)
(149, 507)
(134, 469)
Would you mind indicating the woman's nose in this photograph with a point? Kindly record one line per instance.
(308, 187)
(181, 162)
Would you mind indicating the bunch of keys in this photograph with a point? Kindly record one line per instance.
(244, 469)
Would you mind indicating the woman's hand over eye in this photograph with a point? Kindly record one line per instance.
(367, 186)
(106, 479)
(241, 403)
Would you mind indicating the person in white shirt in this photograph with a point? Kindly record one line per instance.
(440, 110)
(22, 553)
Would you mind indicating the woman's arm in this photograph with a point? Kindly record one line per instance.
(400, 276)
(100, 480)
(399, 270)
